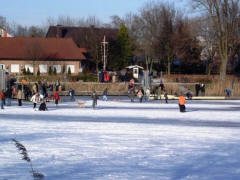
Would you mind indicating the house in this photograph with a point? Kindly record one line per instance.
(89, 38)
(83, 36)
(4, 33)
(40, 54)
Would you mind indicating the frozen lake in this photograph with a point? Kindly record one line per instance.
(123, 140)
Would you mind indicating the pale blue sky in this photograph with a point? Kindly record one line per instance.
(35, 12)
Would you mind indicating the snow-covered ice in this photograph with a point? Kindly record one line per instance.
(123, 140)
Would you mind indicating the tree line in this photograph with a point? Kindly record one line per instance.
(162, 37)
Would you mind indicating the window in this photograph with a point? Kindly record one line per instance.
(2, 66)
(58, 68)
(30, 67)
(72, 67)
(15, 68)
(43, 68)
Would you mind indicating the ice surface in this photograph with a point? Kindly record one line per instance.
(123, 140)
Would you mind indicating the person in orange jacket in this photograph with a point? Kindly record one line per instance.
(181, 103)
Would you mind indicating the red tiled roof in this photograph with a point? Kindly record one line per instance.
(39, 49)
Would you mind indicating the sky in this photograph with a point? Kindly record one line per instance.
(35, 12)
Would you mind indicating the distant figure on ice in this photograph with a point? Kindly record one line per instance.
(140, 94)
(166, 97)
(131, 90)
(72, 94)
(197, 88)
(162, 87)
(57, 85)
(57, 98)
(228, 92)
(43, 106)
(189, 95)
(105, 94)
(202, 88)
(8, 95)
(19, 97)
(2, 98)
(147, 94)
(94, 98)
(181, 104)
(35, 99)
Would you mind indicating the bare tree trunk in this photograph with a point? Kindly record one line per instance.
(169, 66)
(223, 68)
(209, 69)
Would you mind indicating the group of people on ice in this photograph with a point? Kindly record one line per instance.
(40, 95)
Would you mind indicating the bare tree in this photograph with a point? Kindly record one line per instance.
(224, 15)
(34, 51)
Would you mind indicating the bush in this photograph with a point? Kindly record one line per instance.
(24, 71)
(64, 69)
(38, 72)
(50, 71)
(55, 71)
(28, 71)
(85, 77)
(69, 71)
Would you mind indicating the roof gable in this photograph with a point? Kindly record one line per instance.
(39, 49)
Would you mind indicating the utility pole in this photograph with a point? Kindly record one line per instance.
(104, 44)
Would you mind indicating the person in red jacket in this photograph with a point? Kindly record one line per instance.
(57, 98)
(2, 98)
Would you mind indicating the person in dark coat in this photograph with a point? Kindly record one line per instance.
(197, 88)
(94, 98)
(166, 97)
(189, 95)
(8, 95)
(43, 106)
(72, 94)
(162, 87)
(57, 85)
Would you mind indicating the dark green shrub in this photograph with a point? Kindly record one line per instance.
(69, 71)
(50, 71)
(55, 71)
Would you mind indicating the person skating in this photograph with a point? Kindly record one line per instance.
(43, 106)
(8, 95)
(105, 94)
(57, 98)
(2, 97)
(182, 100)
(19, 97)
(147, 94)
(94, 98)
(72, 94)
(140, 95)
(35, 99)
(166, 97)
